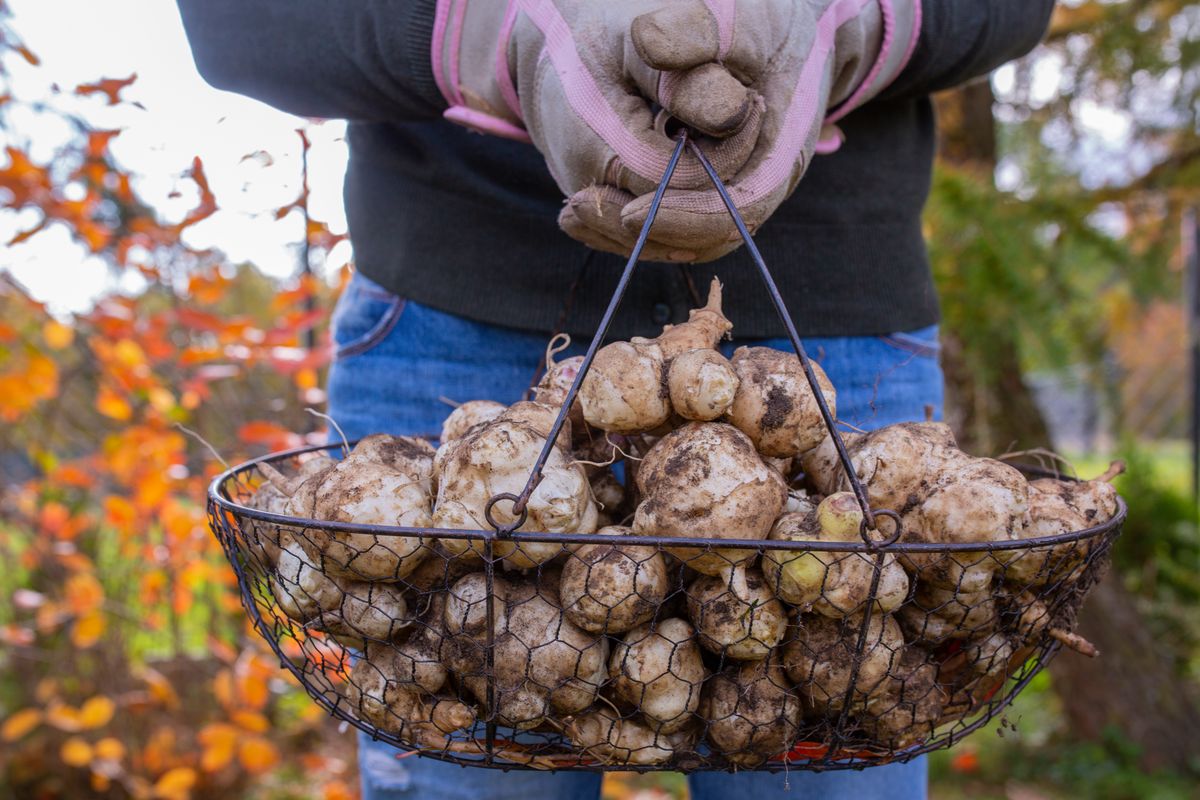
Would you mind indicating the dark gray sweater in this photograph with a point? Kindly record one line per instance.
(467, 223)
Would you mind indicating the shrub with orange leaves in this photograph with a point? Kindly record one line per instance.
(966, 761)
(129, 669)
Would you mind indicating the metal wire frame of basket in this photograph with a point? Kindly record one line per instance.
(846, 688)
(963, 676)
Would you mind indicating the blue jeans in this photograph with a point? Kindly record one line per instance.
(398, 362)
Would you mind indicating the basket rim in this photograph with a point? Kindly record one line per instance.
(218, 495)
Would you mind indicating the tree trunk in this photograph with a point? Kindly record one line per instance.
(1132, 686)
(994, 416)
(995, 412)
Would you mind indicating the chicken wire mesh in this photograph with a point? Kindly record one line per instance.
(512, 649)
(614, 652)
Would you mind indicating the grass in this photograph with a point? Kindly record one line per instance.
(1169, 461)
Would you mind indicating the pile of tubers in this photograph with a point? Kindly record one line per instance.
(675, 655)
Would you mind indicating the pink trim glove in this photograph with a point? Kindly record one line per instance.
(578, 79)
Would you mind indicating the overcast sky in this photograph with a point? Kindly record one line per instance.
(83, 40)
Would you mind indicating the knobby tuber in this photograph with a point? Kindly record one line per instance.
(705, 480)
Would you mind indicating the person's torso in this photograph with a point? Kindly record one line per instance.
(467, 223)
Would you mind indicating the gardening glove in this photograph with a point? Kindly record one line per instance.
(565, 75)
(810, 61)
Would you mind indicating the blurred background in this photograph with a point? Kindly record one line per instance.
(170, 256)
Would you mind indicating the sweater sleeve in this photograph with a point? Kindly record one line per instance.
(354, 59)
(963, 39)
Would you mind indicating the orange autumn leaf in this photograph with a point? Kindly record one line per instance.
(57, 335)
(208, 202)
(88, 630)
(109, 749)
(129, 353)
(182, 596)
(207, 288)
(161, 400)
(73, 560)
(83, 593)
(75, 752)
(63, 717)
(306, 378)
(175, 784)
(97, 712)
(74, 526)
(120, 513)
(153, 583)
(251, 721)
(95, 235)
(97, 143)
(268, 434)
(966, 761)
(113, 405)
(29, 233)
(223, 688)
(53, 517)
(199, 320)
(25, 180)
(109, 87)
(219, 741)
(253, 690)
(319, 235)
(190, 399)
(337, 790)
(32, 380)
(20, 724)
(74, 475)
(257, 755)
(31, 57)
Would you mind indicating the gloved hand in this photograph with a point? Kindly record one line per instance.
(565, 74)
(763, 73)
(811, 62)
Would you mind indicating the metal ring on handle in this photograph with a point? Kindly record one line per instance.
(865, 532)
(522, 514)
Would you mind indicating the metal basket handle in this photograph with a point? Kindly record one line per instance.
(519, 502)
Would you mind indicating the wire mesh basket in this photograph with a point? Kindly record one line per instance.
(518, 649)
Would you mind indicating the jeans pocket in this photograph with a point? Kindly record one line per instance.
(922, 343)
(365, 314)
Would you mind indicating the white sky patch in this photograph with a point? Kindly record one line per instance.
(1106, 154)
(1112, 219)
(1004, 79)
(183, 118)
(1110, 126)
(1046, 76)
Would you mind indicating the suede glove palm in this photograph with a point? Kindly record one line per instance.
(565, 75)
(581, 79)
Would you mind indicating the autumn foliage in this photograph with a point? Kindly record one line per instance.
(127, 667)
